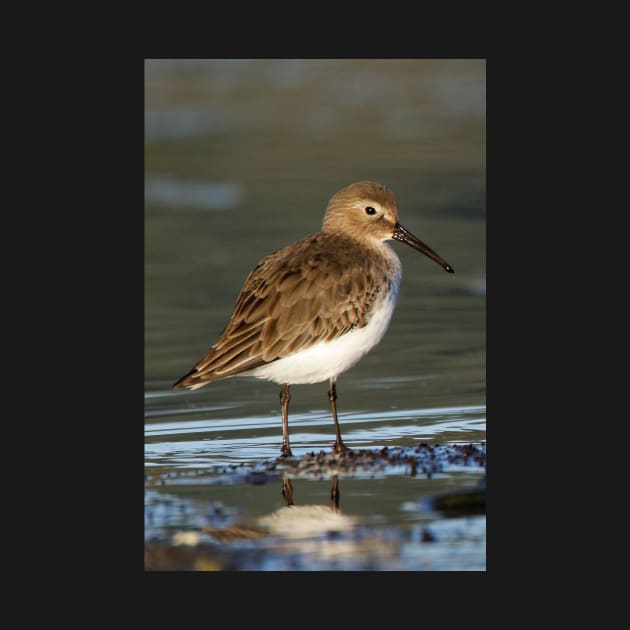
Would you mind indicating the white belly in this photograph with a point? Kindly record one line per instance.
(330, 358)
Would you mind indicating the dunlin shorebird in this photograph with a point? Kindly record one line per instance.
(310, 311)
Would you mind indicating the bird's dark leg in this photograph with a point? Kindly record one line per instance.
(338, 446)
(334, 493)
(285, 397)
(287, 490)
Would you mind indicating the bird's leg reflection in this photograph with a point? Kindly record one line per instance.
(334, 493)
(287, 492)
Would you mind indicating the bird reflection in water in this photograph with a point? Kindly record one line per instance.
(287, 492)
(291, 521)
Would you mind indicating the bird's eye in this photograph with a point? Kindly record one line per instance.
(369, 210)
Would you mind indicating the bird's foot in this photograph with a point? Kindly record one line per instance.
(340, 447)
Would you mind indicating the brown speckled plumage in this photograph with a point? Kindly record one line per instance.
(294, 298)
(311, 310)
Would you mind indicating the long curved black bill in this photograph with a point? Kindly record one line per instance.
(402, 235)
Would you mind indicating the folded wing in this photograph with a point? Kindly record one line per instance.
(293, 299)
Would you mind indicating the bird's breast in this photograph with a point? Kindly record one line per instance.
(327, 359)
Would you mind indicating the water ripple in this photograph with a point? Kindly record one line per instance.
(209, 441)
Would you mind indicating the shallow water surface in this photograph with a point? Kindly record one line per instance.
(241, 158)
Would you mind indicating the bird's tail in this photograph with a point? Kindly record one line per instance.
(195, 379)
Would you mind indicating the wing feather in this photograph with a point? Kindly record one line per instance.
(291, 300)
